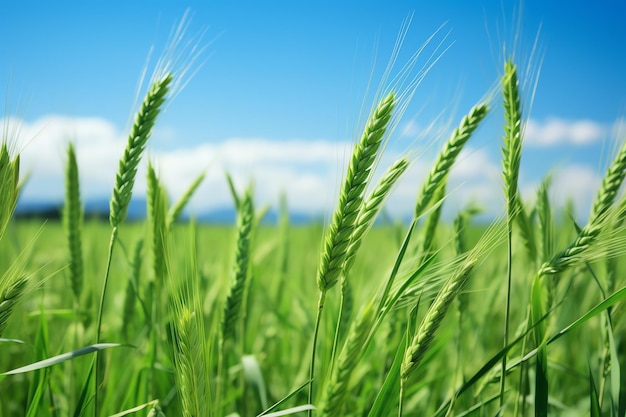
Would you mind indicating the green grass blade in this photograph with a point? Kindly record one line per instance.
(599, 308)
(55, 360)
(285, 399)
(541, 364)
(34, 405)
(253, 377)
(292, 410)
(615, 371)
(135, 409)
(40, 377)
(3, 340)
(594, 401)
(387, 395)
(233, 190)
(83, 399)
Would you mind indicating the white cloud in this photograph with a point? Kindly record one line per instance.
(556, 131)
(475, 178)
(578, 183)
(43, 146)
(411, 129)
(307, 171)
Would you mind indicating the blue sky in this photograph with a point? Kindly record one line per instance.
(278, 92)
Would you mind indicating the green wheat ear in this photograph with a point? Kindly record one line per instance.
(139, 135)
(578, 251)
(191, 361)
(512, 150)
(425, 334)
(351, 354)
(234, 308)
(9, 186)
(73, 222)
(350, 202)
(9, 299)
(371, 207)
(439, 173)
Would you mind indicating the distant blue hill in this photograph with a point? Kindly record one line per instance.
(137, 211)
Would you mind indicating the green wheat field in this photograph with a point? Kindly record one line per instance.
(356, 317)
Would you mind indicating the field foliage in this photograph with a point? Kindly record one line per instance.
(519, 316)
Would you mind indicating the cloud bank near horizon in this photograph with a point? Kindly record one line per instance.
(308, 172)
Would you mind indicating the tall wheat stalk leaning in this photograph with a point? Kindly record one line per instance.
(73, 223)
(344, 221)
(13, 283)
(9, 185)
(577, 253)
(124, 182)
(446, 157)
(9, 298)
(511, 158)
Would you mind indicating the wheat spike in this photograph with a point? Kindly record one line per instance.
(351, 196)
(235, 301)
(448, 155)
(9, 299)
(139, 135)
(73, 222)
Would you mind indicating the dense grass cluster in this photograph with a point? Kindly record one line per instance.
(164, 317)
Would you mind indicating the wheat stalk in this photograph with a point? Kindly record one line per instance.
(512, 150)
(176, 210)
(73, 223)
(448, 155)
(611, 184)
(372, 207)
(233, 310)
(339, 234)
(132, 288)
(9, 186)
(191, 363)
(432, 320)
(122, 191)
(575, 253)
(347, 362)
(511, 158)
(139, 135)
(157, 211)
(9, 299)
